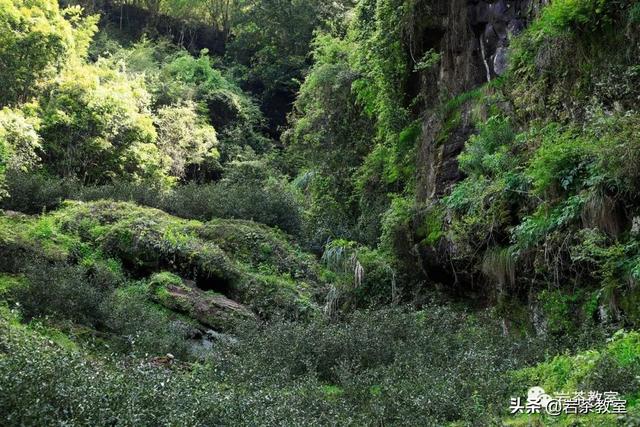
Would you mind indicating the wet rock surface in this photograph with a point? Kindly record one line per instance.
(494, 23)
(473, 37)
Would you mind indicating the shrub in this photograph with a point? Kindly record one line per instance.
(369, 355)
(609, 374)
(436, 366)
(617, 153)
(63, 291)
(396, 223)
(481, 209)
(143, 328)
(34, 193)
(612, 367)
(566, 15)
(271, 202)
(184, 138)
(19, 144)
(366, 277)
(44, 384)
(565, 53)
(36, 38)
(536, 227)
(562, 162)
(260, 196)
(487, 153)
(248, 262)
(96, 127)
(144, 193)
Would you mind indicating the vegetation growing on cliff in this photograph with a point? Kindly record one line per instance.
(298, 212)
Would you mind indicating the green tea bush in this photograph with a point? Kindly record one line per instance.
(45, 385)
(368, 356)
(96, 297)
(63, 291)
(259, 197)
(266, 200)
(142, 327)
(391, 366)
(609, 374)
(610, 367)
(143, 193)
(33, 193)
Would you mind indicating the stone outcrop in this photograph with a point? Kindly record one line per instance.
(473, 37)
(209, 308)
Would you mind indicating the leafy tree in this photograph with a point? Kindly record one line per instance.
(221, 13)
(270, 44)
(97, 127)
(235, 116)
(217, 13)
(36, 38)
(329, 138)
(352, 117)
(184, 138)
(19, 143)
(329, 127)
(382, 60)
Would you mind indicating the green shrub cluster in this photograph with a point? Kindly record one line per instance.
(143, 113)
(565, 56)
(392, 366)
(364, 277)
(612, 368)
(543, 193)
(251, 190)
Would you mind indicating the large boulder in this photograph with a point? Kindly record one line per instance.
(207, 307)
(219, 262)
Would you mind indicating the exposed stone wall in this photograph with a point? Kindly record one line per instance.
(473, 37)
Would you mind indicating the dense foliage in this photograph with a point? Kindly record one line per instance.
(301, 212)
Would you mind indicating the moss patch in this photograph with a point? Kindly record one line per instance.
(246, 262)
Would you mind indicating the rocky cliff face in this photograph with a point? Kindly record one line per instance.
(473, 36)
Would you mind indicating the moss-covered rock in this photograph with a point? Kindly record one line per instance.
(207, 307)
(244, 261)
